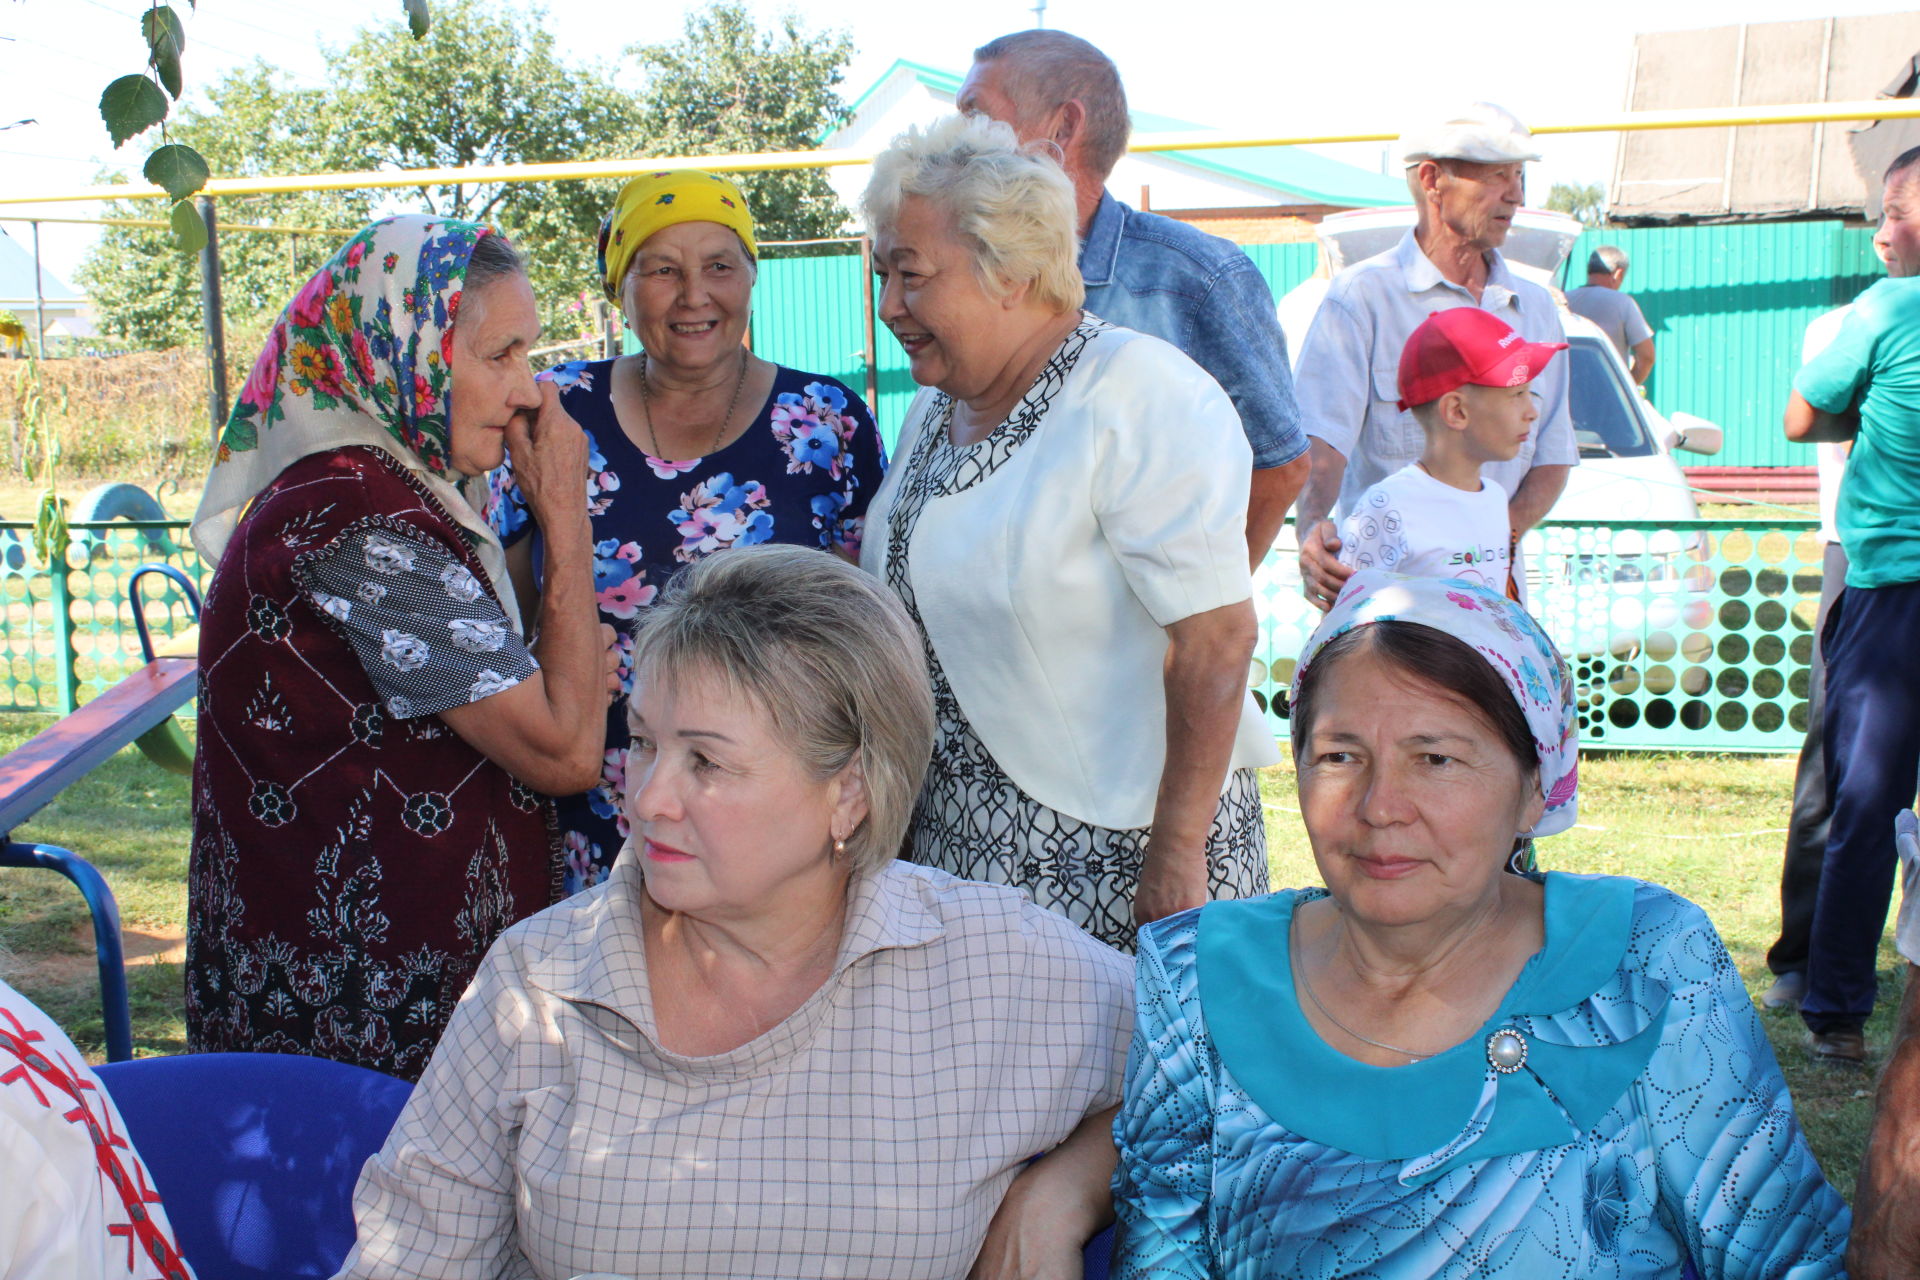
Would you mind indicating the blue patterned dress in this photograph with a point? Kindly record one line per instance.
(802, 474)
(1648, 1126)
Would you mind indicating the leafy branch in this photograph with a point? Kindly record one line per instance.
(40, 459)
(135, 103)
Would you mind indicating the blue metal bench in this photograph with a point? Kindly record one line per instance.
(66, 751)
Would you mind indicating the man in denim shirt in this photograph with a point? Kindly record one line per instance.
(1146, 272)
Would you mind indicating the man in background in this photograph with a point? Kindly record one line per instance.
(1147, 272)
(1617, 314)
(1865, 388)
(1806, 846)
(1465, 173)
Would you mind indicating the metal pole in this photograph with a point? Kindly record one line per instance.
(217, 405)
(39, 296)
(65, 672)
(873, 356)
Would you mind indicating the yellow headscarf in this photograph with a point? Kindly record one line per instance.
(656, 200)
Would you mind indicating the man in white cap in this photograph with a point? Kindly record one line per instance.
(1465, 174)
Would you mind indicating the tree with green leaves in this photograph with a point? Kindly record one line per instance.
(1587, 202)
(253, 124)
(485, 86)
(725, 86)
(132, 104)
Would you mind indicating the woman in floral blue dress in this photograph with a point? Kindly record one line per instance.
(1436, 1068)
(695, 446)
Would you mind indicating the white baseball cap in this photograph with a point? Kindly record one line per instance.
(1480, 132)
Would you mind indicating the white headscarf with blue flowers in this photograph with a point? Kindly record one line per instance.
(1500, 631)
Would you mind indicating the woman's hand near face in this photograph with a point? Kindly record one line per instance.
(550, 462)
(549, 730)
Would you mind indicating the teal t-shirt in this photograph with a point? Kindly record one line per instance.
(1873, 365)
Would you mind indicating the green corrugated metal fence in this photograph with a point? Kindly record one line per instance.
(1728, 305)
(1691, 638)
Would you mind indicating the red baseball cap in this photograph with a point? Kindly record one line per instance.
(1464, 345)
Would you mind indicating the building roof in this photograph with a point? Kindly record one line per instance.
(1306, 177)
(1748, 174)
(16, 276)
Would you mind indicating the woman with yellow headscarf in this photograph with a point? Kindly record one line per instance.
(696, 444)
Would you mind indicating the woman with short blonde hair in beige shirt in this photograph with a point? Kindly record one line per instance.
(763, 1047)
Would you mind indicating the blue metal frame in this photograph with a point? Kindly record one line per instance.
(24, 801)
(180, 580)
(106, 933)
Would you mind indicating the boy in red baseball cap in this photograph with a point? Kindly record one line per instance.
(1468, 378)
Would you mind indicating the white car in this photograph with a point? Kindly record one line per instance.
(1654, 586)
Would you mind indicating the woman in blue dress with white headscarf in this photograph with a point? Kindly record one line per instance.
(1437, 1067)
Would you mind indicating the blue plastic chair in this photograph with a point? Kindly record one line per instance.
(1099, 1256)
(255, 1155)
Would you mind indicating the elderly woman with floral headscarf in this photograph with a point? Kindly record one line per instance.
(696, 444)
(373, 726)
(1436, 1065)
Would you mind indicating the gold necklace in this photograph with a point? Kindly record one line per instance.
(646, 415)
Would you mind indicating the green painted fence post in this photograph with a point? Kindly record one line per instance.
(63, 649)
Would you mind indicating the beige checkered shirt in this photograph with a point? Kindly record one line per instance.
(870, 1134)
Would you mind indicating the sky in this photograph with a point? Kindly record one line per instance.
(1247, 66)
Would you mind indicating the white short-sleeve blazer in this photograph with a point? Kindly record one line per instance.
(1046, 588)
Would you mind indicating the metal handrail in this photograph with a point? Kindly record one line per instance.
(765, 161)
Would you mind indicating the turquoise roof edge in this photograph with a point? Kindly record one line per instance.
(1315, 177)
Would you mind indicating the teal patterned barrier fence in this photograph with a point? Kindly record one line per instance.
(66, 636)
(1692, 637)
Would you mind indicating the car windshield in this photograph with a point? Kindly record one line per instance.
(1607, 422)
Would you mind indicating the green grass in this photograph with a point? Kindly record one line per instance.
(131, 821)
(1709, 827)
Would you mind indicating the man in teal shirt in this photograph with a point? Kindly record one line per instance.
(1865, 387)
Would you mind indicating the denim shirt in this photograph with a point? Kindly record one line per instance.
(1205, 296)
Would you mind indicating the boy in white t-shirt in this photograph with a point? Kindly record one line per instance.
(1467, 378)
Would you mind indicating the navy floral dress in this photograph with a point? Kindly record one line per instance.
(801, 474)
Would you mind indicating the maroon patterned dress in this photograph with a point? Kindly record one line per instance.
(353, 858)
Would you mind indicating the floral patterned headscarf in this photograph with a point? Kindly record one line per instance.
(1501, 632)
(363, 355)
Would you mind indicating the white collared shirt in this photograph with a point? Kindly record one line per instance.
(1830, 457)
(1348, 377)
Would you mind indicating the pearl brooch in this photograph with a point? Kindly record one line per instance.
(1506, 1051)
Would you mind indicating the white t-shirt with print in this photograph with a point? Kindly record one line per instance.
(1413, 524)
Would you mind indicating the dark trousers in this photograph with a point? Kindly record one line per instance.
(1872, 756)
(1807, 828)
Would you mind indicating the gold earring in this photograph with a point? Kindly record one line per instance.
(839, 847)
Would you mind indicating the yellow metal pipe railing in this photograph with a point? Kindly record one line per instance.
(750, 162)
(157, 225)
